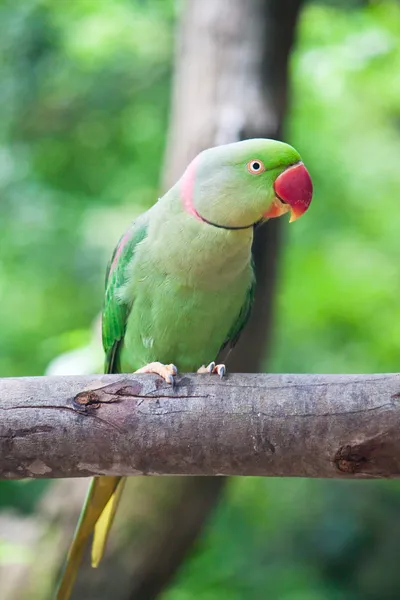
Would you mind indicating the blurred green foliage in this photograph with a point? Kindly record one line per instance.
(84, 100)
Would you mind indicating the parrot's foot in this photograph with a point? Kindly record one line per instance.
(167, 372)
(213, 368)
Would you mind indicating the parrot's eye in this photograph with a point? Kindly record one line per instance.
(255, 167)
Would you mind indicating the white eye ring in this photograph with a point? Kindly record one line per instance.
(255, 167)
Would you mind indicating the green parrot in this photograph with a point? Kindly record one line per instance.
(180, 284)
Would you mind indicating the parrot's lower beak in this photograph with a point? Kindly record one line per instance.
(293, 190)
(277, 209)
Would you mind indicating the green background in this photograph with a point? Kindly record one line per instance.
(84, 104)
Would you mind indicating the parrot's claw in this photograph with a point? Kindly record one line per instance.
(171, 380)
(213, 368)
(221, 370)
(167, 372)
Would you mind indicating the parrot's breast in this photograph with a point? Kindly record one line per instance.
(172, 323)
(175, 323)
(188, 282)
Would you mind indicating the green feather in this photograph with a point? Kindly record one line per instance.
(116, 311)
(244, 315)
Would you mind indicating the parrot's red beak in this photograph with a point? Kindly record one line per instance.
(293, 189)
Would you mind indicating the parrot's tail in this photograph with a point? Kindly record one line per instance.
(96, 517)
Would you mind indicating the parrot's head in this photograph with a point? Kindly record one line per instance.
(239, 185)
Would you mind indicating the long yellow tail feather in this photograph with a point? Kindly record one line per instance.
(100, 494)
(103, 525)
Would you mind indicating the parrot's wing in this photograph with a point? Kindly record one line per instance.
(104, 492)
(115, 314)
(243, 316)
(115, 311)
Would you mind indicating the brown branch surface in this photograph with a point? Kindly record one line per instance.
(274, 425)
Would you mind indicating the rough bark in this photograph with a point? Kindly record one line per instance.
(276, 425)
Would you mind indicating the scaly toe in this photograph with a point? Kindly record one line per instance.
(167, 372)
(204, 370)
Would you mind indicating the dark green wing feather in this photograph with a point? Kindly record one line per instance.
(105, 492)
(243, 317)
(116, 312)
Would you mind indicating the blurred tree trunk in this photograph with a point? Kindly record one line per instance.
(231, 80)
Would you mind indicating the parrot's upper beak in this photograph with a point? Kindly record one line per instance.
(293, 189)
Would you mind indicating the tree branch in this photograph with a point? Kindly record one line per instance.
(275, 425)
